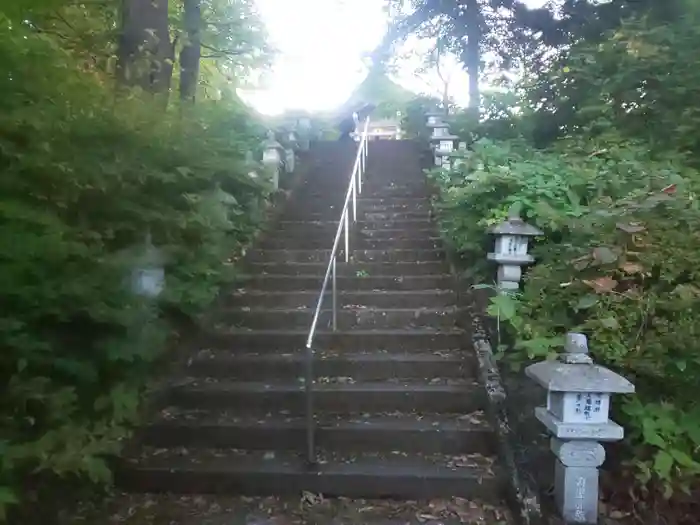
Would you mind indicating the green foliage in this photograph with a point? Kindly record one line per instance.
(616, 197)
(617, 262)
(85, 177)
(413, 117)
(599, 147)
(377, 88)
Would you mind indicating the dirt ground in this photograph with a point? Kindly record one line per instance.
(308, 509)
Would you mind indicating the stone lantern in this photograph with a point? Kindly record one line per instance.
(442, 142)
(272, 158)
(577, 416)
(511, 250)
(148, 273)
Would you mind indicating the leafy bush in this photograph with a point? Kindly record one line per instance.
(84, 178)
(617, 262)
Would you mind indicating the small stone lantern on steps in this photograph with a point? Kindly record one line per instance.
(251, 165)
(289, 156)
(304, 133)
(578, 403)
(442, 142)
(148, 273)
(272, 158)
(511, 250)
(460, 160)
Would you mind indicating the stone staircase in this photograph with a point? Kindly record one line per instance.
(398, 406)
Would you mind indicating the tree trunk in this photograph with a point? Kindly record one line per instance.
(191, 51)
(146, 54)
(472, 54)
(446, 97)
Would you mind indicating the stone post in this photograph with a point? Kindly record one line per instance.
(289, 160)
(293, 140)
(272, 158)
(461, 158)
(578, 403)
(304, 127)
(511, 250)
(251, 165)
(148, 272)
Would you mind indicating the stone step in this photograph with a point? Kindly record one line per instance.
(352, 270)
(361, 256)
(395, 215)
(337, 194)
(328, 231)
(403, 395)
(333, 214)
(331, 211)
(371, 182)
(365, 205)
(368, 475)
(266, 341)
(280, 241)
(349, 318)
(370, 299)
(363, 366)
(351, 284)
(404, 432)
(367, 202)
(363, 226)
(375, 191)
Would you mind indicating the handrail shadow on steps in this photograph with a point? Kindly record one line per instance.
(354, 189)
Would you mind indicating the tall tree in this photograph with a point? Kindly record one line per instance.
(456, 24)
(191, 50)
(507, 34)
(146, 53)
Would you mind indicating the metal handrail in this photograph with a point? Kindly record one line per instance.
(354, 189)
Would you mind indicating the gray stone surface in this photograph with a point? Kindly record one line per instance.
(576, 493)
(578, 453)
(515, 225)
(609, 431)
(512, 259)
(564, 377)
(576, 349)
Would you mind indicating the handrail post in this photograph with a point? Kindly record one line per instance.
(362, 156)
(310, 420)
(354, 200)
(335, 297)
(347, 236)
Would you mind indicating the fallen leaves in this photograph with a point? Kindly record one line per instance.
(601, 285)
(604, 255)
(631, 227)
(310, 509)
(631, 268)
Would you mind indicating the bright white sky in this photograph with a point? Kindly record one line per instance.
(321, 45)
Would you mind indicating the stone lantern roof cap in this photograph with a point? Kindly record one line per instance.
(515, 225)
(271, 142)
(575, 372)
